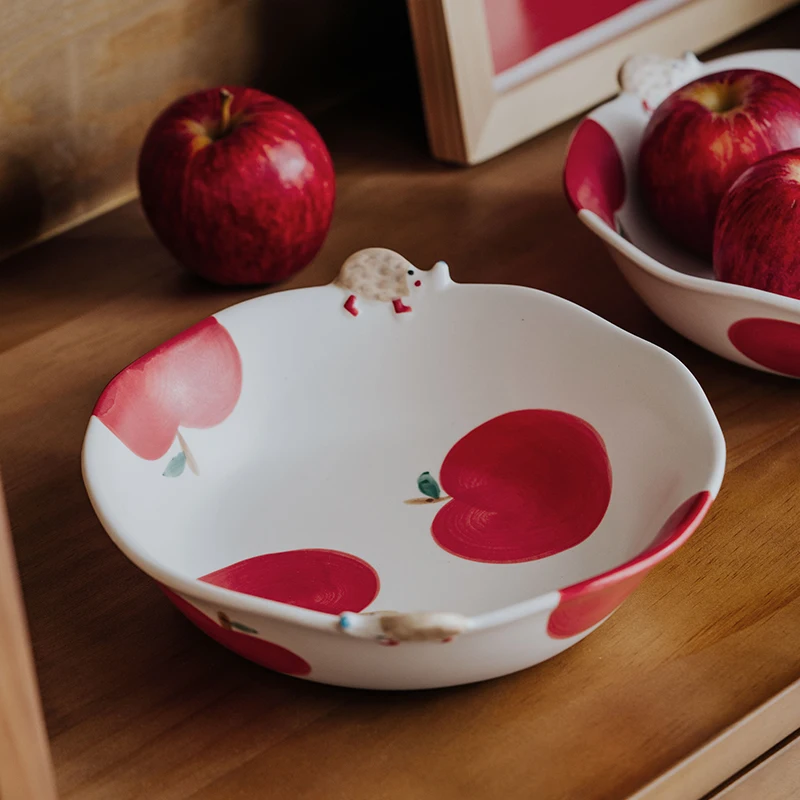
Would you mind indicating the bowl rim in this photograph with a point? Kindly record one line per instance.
(639, 257)
(649, 555)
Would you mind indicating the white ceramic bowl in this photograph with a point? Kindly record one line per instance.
(750, 326)
(485, 471)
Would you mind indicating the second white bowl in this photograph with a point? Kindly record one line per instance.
(749, 326)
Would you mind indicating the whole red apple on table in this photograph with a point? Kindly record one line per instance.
(757, 236)
(702, 137)
(238, 185)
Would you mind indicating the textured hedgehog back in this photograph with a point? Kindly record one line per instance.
(375, 274)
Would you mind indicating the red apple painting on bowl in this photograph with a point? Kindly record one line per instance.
(660, 194)
(402, 499)
(237, 185)
(514, 493)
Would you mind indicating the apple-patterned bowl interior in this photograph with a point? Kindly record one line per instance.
(462, 449)
(600, 181)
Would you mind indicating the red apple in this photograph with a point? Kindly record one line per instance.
(237, 185)
(522, 486)
(702, 137)
(757, 237)
(192, 380)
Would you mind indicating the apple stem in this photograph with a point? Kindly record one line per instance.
(423, 501)
(190, 460)
(227, 100)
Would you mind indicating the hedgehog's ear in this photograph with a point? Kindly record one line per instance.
(439, 275)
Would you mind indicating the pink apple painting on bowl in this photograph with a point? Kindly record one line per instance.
(436, 484)
(650, 173)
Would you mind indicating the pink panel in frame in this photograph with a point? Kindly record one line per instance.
(519, 29)
(529, 37)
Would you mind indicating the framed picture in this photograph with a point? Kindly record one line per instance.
(496, 72)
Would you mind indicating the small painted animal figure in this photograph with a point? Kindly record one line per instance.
(379, 275)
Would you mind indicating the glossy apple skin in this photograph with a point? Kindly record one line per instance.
(251, 207)
(690, 155)
(757, 236)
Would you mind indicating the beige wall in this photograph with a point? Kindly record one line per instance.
(80, 80)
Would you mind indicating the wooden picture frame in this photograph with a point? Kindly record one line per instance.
(474, 113)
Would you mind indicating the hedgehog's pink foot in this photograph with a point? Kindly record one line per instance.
(400, 307)
(350, 305)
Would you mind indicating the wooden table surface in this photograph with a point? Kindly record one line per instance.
(139, 704)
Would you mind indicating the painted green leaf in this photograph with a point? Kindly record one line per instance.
(244, 628)
(176, 466)
(428, 486)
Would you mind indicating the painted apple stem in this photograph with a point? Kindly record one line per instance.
(190, 459)
(423, 501)
(225, 119)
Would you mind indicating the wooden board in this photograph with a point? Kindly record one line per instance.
(742, 743)
(774, 778)
(140, 704)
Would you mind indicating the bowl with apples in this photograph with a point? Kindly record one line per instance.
(395, 481)
(691, 178)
